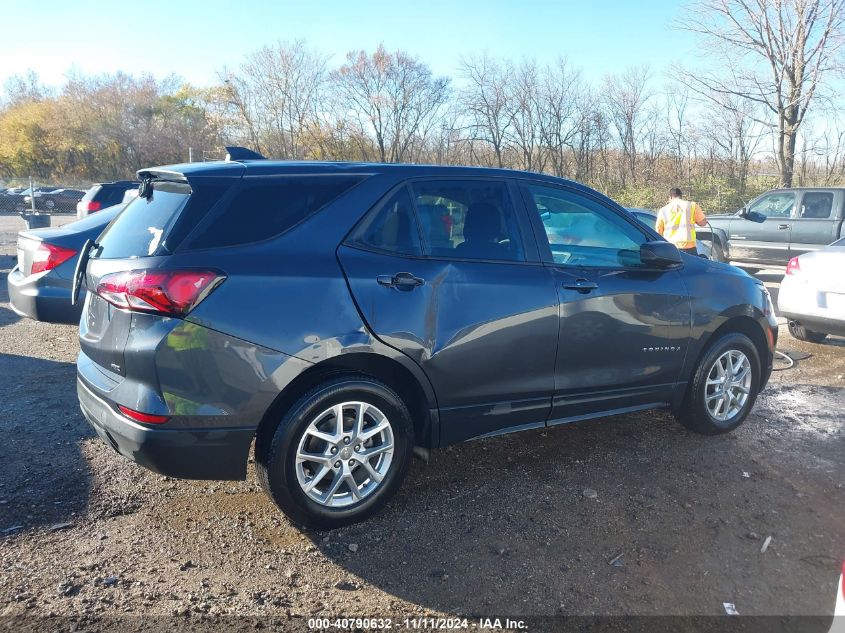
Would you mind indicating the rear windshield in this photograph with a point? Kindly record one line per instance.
(140, 229)
(110, 196)
(262, 209)
(89, 195)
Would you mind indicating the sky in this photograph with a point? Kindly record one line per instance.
(195, 39)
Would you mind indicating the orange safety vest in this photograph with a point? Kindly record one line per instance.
(676, 222)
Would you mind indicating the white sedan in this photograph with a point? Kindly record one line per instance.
(812, 293)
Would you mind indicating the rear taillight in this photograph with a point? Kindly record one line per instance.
(793, 267)
(146, 418)
(48, 256)
(173, 293)
(88, 205)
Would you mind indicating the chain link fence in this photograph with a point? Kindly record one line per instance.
(16, 197)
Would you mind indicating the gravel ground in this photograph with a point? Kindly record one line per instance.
(628, 515)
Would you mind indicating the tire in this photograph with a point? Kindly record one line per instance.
(285, 479)
(797, 330)
(695, 412)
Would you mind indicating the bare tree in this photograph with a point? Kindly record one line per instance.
(526, 99)
(561, 115)
(625, 98)
(276, 92)
(488, 103)
(392, 95)
(774, 52)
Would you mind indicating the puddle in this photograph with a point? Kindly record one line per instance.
(805, 408)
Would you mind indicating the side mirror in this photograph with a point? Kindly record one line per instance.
(742, 212)
(660, 254)
(755, 216)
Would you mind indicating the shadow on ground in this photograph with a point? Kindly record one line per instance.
(511, 524)
(44, 478)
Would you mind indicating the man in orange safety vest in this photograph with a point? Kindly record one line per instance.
(676, 221)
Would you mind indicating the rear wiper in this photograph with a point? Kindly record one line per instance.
(79, 272)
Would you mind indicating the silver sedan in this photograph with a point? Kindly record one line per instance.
(812, 293)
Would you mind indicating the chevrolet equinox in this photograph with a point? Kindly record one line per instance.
(340, 314)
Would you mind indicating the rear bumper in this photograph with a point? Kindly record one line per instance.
(818, 323)
(43, 298)
(187, 453)
(801, 301)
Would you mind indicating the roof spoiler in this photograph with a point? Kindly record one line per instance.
(146, 177)
(236, 152)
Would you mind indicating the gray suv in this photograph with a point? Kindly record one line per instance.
(341, 314)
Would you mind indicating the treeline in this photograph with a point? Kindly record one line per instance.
(624, 135)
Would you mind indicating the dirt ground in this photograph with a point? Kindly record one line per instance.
(503, 526)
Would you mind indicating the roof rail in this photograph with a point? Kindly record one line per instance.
(236, 152)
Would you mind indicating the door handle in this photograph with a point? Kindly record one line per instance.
(783, 226)
(400, 281)
(581, 285)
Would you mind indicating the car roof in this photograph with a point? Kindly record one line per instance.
(263, 167)
(821, 188)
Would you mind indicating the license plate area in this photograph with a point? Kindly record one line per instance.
(835, 302)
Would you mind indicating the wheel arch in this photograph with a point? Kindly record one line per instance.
(740, 324)
(417, 395)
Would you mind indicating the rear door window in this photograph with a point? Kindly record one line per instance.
(264, 209)
(468, 219)
(816, 205)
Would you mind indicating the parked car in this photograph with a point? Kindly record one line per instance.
(103, 195)
(8, 198)
(812, 293)
(17, 200)
(342, 313)
(784, 223)
(55, 200)
(39, 285)
(710, 243)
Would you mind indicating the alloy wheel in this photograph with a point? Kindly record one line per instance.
(728, 385)
(344, 454)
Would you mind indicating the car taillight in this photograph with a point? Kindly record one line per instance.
(173, 293)
(146, 418)
(90, 206)
(793, 267)
(48, 256)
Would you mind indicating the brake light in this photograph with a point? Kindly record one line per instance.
(793, 267)
(146, 418)
(48, 256)
(173, 293)
(90, 206)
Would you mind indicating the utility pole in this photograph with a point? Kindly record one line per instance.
(190, 154)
